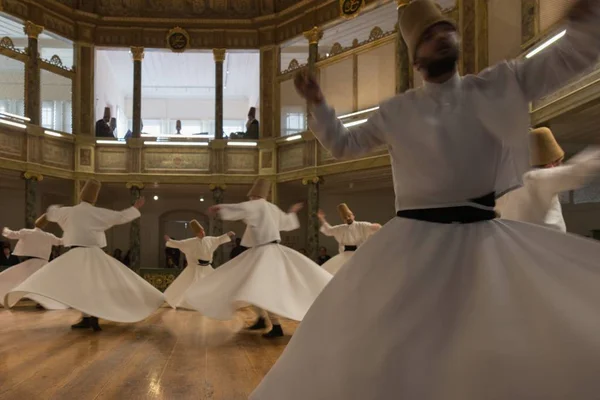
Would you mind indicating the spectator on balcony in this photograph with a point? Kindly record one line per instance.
(252, 125)
(103, 128)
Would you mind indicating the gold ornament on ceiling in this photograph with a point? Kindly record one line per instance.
(178, 40)
(351, 8)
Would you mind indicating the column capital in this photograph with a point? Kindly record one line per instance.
(314, 35)
(32, 30)
(219, 54)
(215, 186)
(312, 179)
(34, 176)
(401, 3)
(137, 185)
(137, 53)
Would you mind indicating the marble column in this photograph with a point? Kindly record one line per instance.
(218, 195)
(219, 55)
(135, 191)
(275, 193)
(313, 36)
(312, 229)
(138, 55)
(31, 191)
(77, 185)
(83, 90)
(269, 66)
(403, 68)
(33, 108)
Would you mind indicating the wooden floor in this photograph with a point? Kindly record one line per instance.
(171, 355)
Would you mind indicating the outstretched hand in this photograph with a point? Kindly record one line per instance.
(167, 238)
(231, 234)
(321, 215)
(139, 203)
(213, 210)
(308, 87)
(295, 208)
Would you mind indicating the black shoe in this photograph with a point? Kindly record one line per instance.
(274, 333)
(259, 324)
(85, 323)
(39, 307)
(94, 324)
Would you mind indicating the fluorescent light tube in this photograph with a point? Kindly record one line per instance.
(242, 144)
(15, 116)
(110, 142)
(152, 143)
(292, 138)
(546, 44)
(52, 133)
(354, 123)
(358, 112)
(11, 123)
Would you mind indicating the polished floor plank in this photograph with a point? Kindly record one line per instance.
(170, 355)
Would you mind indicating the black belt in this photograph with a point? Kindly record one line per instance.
(27, 258)
(203, 263)
(350, 248)
(455, 215)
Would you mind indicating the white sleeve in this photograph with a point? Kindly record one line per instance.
(57, 214)
(235, 212)
(566, 59)
(55, 240)
(288, 222)
(329, 230)
(109, 218)
(13, 235)
(345, 142)
(178, 244)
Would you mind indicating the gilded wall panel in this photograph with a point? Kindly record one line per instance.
(179, 8)
(85, 157)
(111, 160)
(57, 153)
(58, 25)
(34, 149)
(172, 160)
(238, 161)
(266, 159)
(292, 157)
(12, 145)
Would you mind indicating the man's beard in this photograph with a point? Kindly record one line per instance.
(441, 66)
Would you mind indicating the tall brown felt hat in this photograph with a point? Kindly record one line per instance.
(543, 148)
(418, 16)
(344, 211)
(195, 226)
(90, 191)
(260, 188)
(41, 222)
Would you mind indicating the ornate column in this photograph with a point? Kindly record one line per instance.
(275, 193)
(218, 194)
(83, 90)
(474, 35)
(312, 229)
(138, 55)
(76, 191)
(219, 55)
(270, 119)
(404, 77)
(31, 186)
(135, 190)
(313, 36)
(32, 74)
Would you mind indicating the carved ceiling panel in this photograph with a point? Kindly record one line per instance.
(179, 8)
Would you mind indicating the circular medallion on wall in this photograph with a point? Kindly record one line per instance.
(178, 40)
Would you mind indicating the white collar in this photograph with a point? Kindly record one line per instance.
(450, 84)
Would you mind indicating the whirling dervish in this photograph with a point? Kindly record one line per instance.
(34, 246)
(276, 280)
(454, 303)
(199, 255)
(86, 278)
(537, 201)
(350, 235)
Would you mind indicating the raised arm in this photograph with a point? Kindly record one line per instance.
(108, 218)
(570, 57)
(57, 214)
(340, 141)
(56, 241)
(176, 244)
(13, 235)
(234, 212)
(289, 221)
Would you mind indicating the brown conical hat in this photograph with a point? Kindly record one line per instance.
(106, 112)
(418, 16)
(89, 192)
(41, 222)
(195, 227)
(543, 148)
(261, 188)
(344, 211)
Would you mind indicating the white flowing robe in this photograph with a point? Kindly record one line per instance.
(491, 310)
(86, 278)
(31, 243)
(537, 201)
(195, 249)
(267, 275)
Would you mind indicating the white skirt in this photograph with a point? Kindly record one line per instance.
(13, 277)
(89, 280)
(334, 264)
(272, 277)
(494, 310)
(175, 293)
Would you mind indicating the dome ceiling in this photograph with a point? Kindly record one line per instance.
(229, 9)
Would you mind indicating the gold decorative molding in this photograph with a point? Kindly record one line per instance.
(32, 30)
(137, 53)
(314, 35)
(351, 8)
(29, 175)
(214, 186)
(401, 3)
(219, 55)
(131, 185)
(312, 179)
(178, 40)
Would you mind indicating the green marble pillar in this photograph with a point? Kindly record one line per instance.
(219, 55)
(135, 190)
(83, 90)
(138, 56)
(218, 194)
(31, 189)
(403, 67)
(33, 108)
(312, 229)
